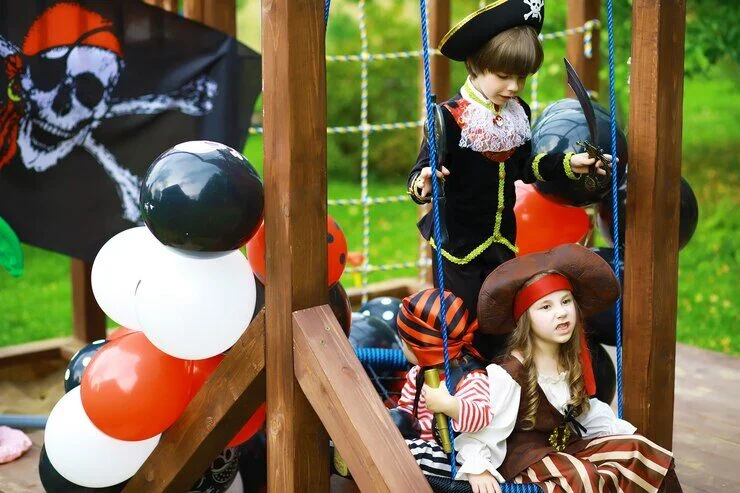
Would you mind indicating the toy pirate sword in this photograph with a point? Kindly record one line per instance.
(592, 146)
(440, 141)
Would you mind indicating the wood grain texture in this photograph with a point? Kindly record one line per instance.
(651, 256)
(218, 14)
(294, 121)
(580, 11)
(169, 5)
(340, 391)
(217, 412)
(88, 320)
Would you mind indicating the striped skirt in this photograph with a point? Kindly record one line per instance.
(617, 463)
(431, 458)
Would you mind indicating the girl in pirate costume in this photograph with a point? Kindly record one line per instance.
(420, 328)
(487, 142)
(545, 428)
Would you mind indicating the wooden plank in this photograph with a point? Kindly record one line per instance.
(651, 256)
(88, 320)
(294, 118)
(579, 12)
(217, 412)
(439, 67)
(396, 288)
(340, 391)
(169, 5)
(21, 353)
(218, 14)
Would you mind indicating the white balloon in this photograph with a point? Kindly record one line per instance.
(85, 455)
(195, 305)
(117, 270)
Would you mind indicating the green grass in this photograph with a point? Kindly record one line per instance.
(38, 306)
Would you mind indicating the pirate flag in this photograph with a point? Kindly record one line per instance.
(91, 92)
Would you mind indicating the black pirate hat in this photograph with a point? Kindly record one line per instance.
(471, 33)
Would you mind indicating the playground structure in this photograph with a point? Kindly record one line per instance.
(295, 354)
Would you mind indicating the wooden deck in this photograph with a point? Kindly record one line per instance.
(706, 428)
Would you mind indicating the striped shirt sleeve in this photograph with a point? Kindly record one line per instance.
(475, 403)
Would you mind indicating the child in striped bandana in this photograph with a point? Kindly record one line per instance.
(420, 327)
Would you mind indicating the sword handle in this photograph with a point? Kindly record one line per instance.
(431, 378)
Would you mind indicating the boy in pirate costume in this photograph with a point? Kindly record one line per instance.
(546, 429)
(420, 328)
(487, 141)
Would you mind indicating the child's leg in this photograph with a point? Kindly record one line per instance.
(431, 458)
(563, 473)
(632, 463)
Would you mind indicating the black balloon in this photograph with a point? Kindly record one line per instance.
(560, 126)
(407, 424)
(202, 196)
(371, 332)
(253, 463)
(220, 474)
(341, 306)
(77, 365)
(53, 482)
(688, 215)
(602, 327)
(604, 372)
(385, 308)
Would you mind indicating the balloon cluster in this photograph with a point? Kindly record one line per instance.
(183, 294)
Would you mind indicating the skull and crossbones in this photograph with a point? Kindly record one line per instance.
(67, 89)
(535, 9)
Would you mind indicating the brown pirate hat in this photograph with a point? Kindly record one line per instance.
(594, 285)
(475, 30)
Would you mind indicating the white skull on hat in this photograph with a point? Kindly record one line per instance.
(60, 116)
(535, 9)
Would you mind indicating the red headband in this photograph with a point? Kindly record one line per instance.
(528, 295)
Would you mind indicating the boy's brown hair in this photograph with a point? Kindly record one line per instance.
(516, 51)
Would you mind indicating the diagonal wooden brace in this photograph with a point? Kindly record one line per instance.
(343, 397)
(217, 412)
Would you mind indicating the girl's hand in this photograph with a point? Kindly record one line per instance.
(484, 483)
(580, 163)
(424, 180)
(439, 400)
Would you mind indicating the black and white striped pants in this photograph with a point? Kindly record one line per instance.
(431, 458)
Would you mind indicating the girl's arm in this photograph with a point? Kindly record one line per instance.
(600, 420)
(485, 450)
(406, 401)
(475, 403)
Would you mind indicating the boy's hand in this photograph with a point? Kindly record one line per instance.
(439, 400)
(484, 483)
(580, 163)
(424, 180)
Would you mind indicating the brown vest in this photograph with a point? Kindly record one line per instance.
(526, 447)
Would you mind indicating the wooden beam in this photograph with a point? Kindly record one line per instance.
(88, 320)
(341, 393)
(651, 266)
(294, 98)
(439, 24)
(218, 14)
(579, 12)
(396, 288)
(233, 392)
(169, 5)
(30, 351)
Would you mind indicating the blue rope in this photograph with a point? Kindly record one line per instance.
(435, 208)
(615, 204)
(382, 359)
(327, 4)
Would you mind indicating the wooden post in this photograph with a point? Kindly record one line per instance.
(651, 266)
(219, 14)
(293, 54)
(579, 12)
(439, 68)
(88, 320)
(169, 5)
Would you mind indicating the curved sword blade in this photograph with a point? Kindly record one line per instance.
(588, 110)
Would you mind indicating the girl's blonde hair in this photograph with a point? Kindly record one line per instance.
(516, 51)
(521, 340)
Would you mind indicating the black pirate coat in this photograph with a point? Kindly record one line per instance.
(479, 190)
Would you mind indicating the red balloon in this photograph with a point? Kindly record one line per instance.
(133, 391)
(120, 332)
(336, 251)
(201, 370)
(542, 224)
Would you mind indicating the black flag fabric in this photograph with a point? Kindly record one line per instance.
(91, 92)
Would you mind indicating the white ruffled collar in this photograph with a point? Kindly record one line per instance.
(483, 129)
